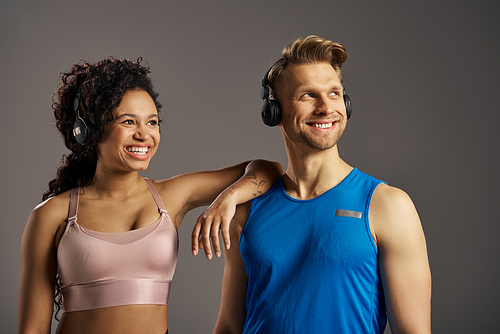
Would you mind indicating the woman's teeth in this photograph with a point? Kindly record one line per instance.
(138, 150)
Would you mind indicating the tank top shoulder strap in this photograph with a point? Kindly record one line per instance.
(156, 195)
(73, 204)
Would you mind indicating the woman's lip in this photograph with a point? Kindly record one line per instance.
(141, 152)
(139, 147)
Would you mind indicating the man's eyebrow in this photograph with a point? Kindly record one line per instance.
(304, 88)
(301, 89)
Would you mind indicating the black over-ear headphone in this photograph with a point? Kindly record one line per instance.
(81, 131)
(271, 109)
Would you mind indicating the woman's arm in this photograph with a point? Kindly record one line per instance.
(38, 269)
(259, 177)
(239, 183)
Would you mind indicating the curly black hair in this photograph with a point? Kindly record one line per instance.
(102, 86)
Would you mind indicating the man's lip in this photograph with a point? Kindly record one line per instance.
(323, 121)
(312, 123)
(322, 125)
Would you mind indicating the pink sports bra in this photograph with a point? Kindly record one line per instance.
(101, 269)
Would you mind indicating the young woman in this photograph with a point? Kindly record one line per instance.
(105, 238)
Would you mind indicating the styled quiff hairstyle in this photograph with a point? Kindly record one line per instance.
(312, 49)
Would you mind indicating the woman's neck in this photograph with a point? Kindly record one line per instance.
(108, 183)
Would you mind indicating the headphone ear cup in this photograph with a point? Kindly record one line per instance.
(348, 106)
(271, 112)
(81, 132)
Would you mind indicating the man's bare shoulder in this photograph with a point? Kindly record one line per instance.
(392, 214)
(387, 197)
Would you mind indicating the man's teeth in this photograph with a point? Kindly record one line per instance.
(322, 125)
(138, 150)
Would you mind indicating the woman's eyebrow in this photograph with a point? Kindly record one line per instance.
(135, 116)
(127, 115)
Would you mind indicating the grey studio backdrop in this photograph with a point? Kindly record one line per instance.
(423, 78)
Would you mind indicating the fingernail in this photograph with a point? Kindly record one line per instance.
(217, 254)
(209, 256)
(195, 252)
(227, 246)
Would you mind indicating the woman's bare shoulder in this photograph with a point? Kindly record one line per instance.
(176, 188)
(50, 214)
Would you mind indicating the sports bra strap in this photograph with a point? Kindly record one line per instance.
(156, 195)
(73, 204)
(75, 194)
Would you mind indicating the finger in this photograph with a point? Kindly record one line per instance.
(205, 237)
(225, 232)
(214, 234)
(195, 236)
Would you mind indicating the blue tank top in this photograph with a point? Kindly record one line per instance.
(312, 265)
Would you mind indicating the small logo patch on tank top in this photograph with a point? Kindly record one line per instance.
(348, 213)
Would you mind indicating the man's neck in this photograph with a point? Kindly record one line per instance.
(313, 173)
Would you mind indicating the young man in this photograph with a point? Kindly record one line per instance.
(328, 249)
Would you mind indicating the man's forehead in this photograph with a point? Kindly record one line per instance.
(306, 68)
(304, 75)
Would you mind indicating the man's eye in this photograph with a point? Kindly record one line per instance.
(307, 95)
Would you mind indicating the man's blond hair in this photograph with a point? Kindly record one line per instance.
(312, 49)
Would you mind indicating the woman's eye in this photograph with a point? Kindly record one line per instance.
(128, 122)
(154, 122)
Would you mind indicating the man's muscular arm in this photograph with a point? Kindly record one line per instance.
(232, 312)
(403, 260)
